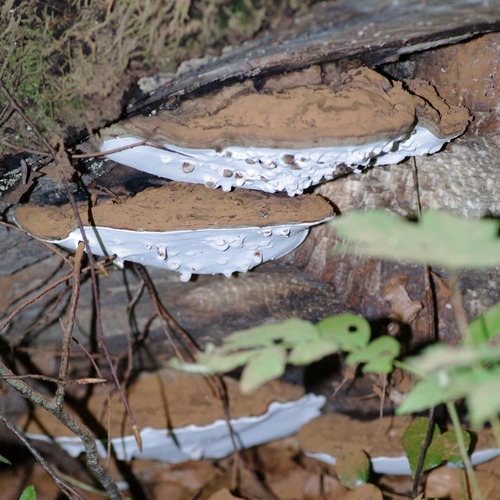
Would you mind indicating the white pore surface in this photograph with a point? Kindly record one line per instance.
(420, 142)
(401, 466)
(266, 169)
(211, 441)
(204, 251)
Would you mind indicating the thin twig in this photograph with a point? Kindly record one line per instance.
(68, 331)
(163, 313)
(22, 149)
(40, 322)
(52, 248)
(100, 332)
(13, 104)
(37, 284)
(29, 301)
(46, 378)
(5, 114)
(108, 398)
(424, 446)
(132, 330)
(65, 488)
(144, 142)
(111, 151)
(101, 473)
(40, 294)
(216, 383)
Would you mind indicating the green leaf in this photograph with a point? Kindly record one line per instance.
(210, 364)
(5, 460)
(441, 387)
(266, 365)
(350, 331)
(440, 238)
(28, 494)
(353, 469)
(483, 400)
(379, 355)
(447, 446)
(306, 353)
(412, 440)
(486, 326)
(440, 357)
(289, 333)
(443, 447)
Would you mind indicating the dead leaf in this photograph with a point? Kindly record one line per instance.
(443, 291)
(292, 484)
(402, 307)
(365, 492)
(332, 489)
(312, 487)
(223, 494)
(444, 482)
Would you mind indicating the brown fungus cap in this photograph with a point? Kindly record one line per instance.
(363, 108)
(176, 207)
(434, 113)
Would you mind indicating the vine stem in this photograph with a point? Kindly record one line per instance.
(463, 450)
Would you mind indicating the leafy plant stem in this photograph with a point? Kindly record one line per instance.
(463, 450)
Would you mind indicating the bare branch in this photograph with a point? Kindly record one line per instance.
(65, 488)
(68, 331)
(100, 332)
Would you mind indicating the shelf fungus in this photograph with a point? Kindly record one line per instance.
(287, 140)
(273, 412)
(185, 227)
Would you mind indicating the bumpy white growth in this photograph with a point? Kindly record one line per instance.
(267, 169)
(204, 251)
(419, 143)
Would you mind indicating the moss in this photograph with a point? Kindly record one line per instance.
(69, 63)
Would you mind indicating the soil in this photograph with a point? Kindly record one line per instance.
(361, 107)
(175, 207)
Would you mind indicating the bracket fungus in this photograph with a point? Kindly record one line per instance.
(185, 227)
(287, 140)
